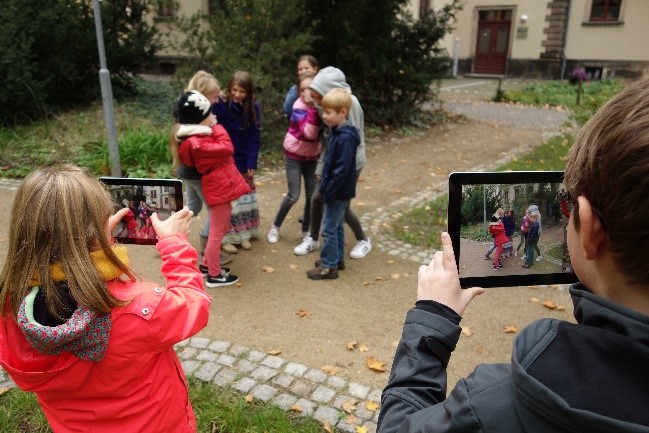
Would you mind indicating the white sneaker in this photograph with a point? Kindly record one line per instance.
(361, 249)
(273, 235)
(307, 245)
(524, 257)
(538, 259)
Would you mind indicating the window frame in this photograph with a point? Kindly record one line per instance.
(606, 7)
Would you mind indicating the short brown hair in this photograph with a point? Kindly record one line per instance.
(609, 165)
(337, 99)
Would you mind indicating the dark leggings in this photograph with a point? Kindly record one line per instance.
(350, 218)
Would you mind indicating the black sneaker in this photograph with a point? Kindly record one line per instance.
(222, 280)
(205, 270)
(341, 264)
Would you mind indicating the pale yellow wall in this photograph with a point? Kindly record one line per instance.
(629, 41)
(467, 26)
(185, 8)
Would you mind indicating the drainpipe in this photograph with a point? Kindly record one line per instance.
(562, 73)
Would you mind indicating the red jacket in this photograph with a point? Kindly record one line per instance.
(139, 385)
(211, 155)
(497, 230)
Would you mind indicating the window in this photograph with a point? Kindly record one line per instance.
(605, 10)
(166, 8)
(212, 6)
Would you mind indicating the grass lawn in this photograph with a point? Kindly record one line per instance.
(217, 410)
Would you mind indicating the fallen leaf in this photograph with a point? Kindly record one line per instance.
(366, 283)
(551, 305)
(4, 390)
(379, 279)
(267, 269)
(329, 369)
(395, 343)
(360, 203)
(274, 352)
(349, 406)
(361, 429)
(534, 299)
(371, 405)
(238, 284)
(395, 276)
(466, 331)
(351, 419)
(327, 427)
(293, 266)
(249, 398)
(296, 408)
(510, 329)
(303, 313)
(390, 261)
(375, 365)
(259, 183)
(363, 348)
(351, 345)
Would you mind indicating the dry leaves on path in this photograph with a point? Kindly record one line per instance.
(372, 405)
(351, 345)
(466, 331)
(376, 365)
(551, 305)
(303, 313)
(510, 329)
(274, 352)
(268, 269)
(329, 369)
(349, 406)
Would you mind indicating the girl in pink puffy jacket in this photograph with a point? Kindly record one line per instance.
(77, 329)
(301, 151)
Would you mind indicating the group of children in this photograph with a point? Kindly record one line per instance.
(502, 227)
(324, 145)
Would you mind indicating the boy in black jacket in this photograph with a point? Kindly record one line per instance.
(338, 183)
(563, 377)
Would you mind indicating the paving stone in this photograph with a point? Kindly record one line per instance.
(224, 377)
(246, 366)
(326, 413)
(295, 369)
(285, 401)
(284, 380)
(238, 350)
(316, 375)
(244, 385)
(273, 361)
(219, 346)
(182, 343)
(347, 427)
(207, 371)
(263, 392)
(375, 395)
(199, 342)
(227, 360)
(307, 406)
(322, 394)
(264, 373)
(357, 390)
(363, 412)
(370, 426)
(302, 388)
(190, 366)
(339, 400)
(255, 356)
(336, 382)
(207, 355)
(187, 353)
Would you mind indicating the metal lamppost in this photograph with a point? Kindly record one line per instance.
(107, 97)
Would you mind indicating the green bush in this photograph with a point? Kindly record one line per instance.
(389, 58)
(49, 58)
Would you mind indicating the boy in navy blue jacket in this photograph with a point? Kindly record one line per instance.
(338, 183)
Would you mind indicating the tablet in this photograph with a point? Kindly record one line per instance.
(143, 197)
(474, 199)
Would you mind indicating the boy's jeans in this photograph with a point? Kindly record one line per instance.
(333, 234)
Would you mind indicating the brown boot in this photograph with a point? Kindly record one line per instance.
(322, 273)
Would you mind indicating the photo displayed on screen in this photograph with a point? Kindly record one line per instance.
(142, 201)
(513, 229)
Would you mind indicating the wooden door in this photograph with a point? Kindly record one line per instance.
(492, 44)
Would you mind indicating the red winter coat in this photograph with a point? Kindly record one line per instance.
(139, 385)
(211, 155)
(497, 230)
